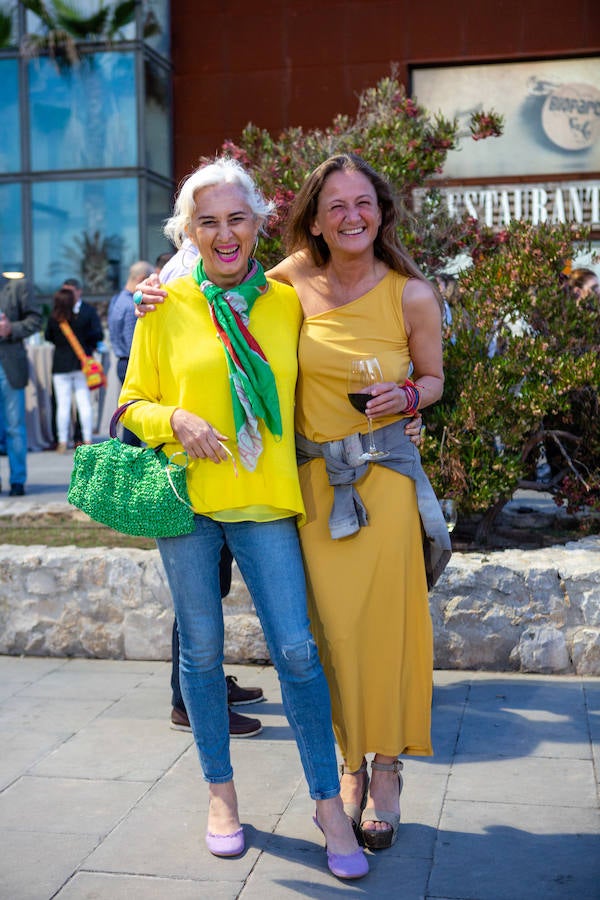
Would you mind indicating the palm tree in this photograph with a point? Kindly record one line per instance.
(5, 29)
(65, 26)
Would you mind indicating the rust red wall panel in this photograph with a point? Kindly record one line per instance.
(299, 62)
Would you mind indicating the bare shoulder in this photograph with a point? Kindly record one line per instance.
(420, 304)
(419, 297)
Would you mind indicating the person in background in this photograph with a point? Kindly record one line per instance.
(239, 726)
(121, 323)
(2, 435)
(20, 316)
(67, 377)
(162, 259)
(198, 390)
(584, 283)
(88, 312)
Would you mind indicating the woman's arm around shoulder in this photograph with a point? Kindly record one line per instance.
(290, 269)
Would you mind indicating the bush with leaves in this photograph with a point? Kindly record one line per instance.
(521, 360)
(542, 382)
(390, 131)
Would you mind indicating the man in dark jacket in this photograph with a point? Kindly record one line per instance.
(20, 316)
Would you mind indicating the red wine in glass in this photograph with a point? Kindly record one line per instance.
(363, 373)
(359, 402)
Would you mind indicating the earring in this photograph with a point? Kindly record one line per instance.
(255, 247)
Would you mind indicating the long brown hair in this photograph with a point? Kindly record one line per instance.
(64, 301)
(387, 246)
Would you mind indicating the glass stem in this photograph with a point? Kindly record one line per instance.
(372, 447)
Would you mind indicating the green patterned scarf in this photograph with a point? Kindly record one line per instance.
(252, 383)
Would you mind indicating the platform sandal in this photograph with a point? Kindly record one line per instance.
(354, 810)
(381, 840)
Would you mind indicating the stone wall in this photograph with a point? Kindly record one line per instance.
(522, 610)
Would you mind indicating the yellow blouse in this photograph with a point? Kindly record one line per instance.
(372, 325)
(177, 360)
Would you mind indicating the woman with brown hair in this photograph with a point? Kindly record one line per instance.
(67, 377)
(363, 295)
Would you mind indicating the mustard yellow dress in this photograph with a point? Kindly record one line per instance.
(368, 600)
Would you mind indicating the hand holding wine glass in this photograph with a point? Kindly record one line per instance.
(363, 373)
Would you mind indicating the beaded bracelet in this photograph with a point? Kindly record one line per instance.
(412, 397)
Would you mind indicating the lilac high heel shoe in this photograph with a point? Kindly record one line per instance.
(226, 844)
(345, 865)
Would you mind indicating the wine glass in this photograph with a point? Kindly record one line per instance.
(450, 513)
(363, 373)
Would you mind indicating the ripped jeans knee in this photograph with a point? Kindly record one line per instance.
(299, 662)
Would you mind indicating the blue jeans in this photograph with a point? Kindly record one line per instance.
(13, 404)
(225, 562)
(268, 555)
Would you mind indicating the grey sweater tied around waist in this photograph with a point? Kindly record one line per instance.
(344, 468)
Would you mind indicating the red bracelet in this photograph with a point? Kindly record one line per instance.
(412, 397)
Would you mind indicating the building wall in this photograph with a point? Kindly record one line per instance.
(279, 63)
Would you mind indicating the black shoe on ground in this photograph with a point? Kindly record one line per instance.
(243, 726)
(179, 720)
(17, 490)
(239, 726)
(239, 696)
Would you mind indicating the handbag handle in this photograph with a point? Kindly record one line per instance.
(112, 430)
(113, 433)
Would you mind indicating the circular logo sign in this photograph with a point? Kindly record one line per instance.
(571, 116)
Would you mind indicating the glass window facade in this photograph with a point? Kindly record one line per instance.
(158, 208)
(11, 229)
(84, 116)
(157, 136)
(86, 230)
(86, 155)
(159, 12)
(10, 145)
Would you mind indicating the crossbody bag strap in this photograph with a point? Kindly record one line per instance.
(74, 342)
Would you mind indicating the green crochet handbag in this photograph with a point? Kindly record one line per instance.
(134, 490)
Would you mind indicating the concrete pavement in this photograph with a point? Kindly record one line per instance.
(100, 799)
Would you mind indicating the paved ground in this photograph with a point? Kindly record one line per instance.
(100, 799)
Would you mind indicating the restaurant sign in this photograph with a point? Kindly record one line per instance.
(550, 108)
(576, 202)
